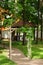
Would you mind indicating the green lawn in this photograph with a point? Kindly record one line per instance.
(37, 49)
(4, 60)
(21, 47)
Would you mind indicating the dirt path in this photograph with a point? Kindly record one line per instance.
(20, 59)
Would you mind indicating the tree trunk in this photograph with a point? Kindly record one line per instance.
(37, 35)
(38, 20)
(42, 29)
(18, 36)
(34, 34)
(29, 48)
(41, 26)
(0, 35)
(24, 34)
(41, 4)
(10, 46)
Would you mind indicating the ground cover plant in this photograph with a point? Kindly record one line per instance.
(37, 49)
(4, 60)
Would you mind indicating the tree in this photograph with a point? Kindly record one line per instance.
(25, 10)
(28, 14)
(9, 16)
(41, 10)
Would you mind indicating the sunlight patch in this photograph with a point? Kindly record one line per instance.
(41, 48)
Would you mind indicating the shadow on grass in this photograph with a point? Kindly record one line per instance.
(21, 47)
(5, 61)
(37, 49)
(37, 52)
(1, 50)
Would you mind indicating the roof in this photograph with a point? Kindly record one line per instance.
(17, 24)
(21, 23)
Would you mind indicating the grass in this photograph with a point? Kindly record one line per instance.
(37, 49)
(21, 47)
(5, 61)
(17, 45)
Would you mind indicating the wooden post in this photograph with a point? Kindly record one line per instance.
(10, 46)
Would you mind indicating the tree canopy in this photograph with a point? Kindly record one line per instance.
(27, 10)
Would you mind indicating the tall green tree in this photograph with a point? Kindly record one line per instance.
(26, 10)
(9, 17)
(28, 14)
